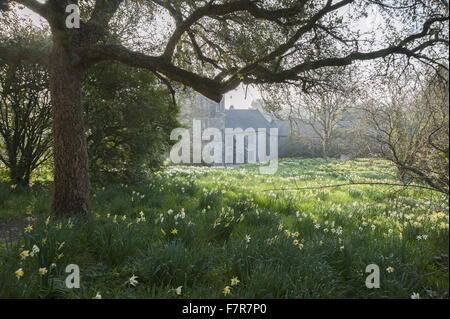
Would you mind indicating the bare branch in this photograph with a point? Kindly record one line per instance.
(227, 8)
(351, 184)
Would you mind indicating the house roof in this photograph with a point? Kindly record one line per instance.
(245, 118)
(284, 127)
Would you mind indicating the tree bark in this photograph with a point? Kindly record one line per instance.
(20, 175)
(325, 149)
(71, 172)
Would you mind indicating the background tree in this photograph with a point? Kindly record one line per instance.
(411, 128)
(324, 110)
(25, 119)
(129, 117)
(213, 46)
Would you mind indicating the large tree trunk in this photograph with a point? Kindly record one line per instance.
(71, 174)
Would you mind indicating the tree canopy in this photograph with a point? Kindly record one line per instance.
(213, 46)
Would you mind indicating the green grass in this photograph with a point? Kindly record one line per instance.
(300, 244)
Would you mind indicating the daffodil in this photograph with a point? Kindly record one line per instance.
(97, 296)
(226, 290)
(178, 290)
(19, 273)
(234, 281)
(43, 271)
(24, 254)
(390, 269)
(28, 229)
(34, 250)
(174, 231)
(132, 281)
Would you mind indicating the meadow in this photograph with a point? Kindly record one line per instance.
(213, 232)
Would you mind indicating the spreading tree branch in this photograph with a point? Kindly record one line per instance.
(204, 85)
(35, 6)
(14, 55)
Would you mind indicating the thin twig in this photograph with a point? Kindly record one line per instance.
(350, 184)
